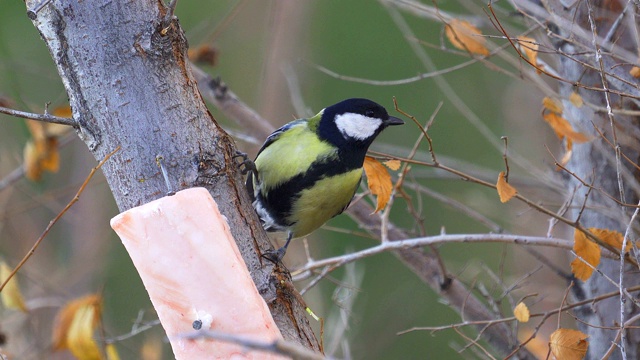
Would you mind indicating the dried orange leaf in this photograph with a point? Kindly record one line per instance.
(393, 164)
(521, 312)
(529, 47)
(553, 105)
(587, 250)
(505, 191)
(41, 152)
(635, 72)
(62, 111)
(11, 295)
(379, 181)
(568, 344)
(465, 36)
(563, 129)
(611, 237)
(66, 316)
(576, 99)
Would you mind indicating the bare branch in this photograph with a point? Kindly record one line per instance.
(46, 117)
(279, 347)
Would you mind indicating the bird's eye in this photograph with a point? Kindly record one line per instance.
(369, 113)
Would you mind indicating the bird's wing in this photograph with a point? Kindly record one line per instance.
(276, 134)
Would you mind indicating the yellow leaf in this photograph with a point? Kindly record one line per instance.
(505, 191)
(393, 164)
(151, 349)
(379, 181)
(568, 344)
(521, 312)
(529, 47)
(611, 237)
(80, 338)
(41, 152)
(563, 129)
(635, 72)
(587, 250)
(553, 105)
(465, 36)
(11, 295)
(112, 352)
(576, 99)
(66, 316)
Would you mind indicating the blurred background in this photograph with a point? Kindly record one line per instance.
(271, 54)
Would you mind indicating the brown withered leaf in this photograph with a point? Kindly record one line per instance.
(611, 237)
(587, 250)
(379, 181)
(529, 47)
(553, 105)
(568, 344)
(465, 36)
(576, 99)
(393, 164)
(563, 128)
(505, 190)
(40, 152)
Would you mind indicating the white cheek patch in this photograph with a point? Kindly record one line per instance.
(357, 126)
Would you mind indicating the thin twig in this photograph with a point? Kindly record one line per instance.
(505, 158)
(592, 300)
(438, 239)
(522, 198)
(280, 347)
(46, 117)
(58, 217)
(623, 300)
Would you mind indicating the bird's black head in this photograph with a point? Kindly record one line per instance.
(354, 123)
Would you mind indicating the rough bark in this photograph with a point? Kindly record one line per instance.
(125, 70)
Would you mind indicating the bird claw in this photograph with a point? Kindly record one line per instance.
(246, 165)
(275, 256)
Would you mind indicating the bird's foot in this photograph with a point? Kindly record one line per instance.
(246, 165)
(275, 256)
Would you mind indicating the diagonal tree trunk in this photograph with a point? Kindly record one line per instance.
(124, 67)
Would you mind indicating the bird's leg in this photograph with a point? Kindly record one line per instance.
(277, 255)
(246, 165)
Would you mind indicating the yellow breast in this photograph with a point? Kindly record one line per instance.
(326, 199)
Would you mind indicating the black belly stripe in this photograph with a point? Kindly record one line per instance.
(280, 198)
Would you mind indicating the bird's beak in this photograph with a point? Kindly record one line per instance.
(392, 120)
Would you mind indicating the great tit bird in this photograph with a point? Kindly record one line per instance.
(308, 171)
